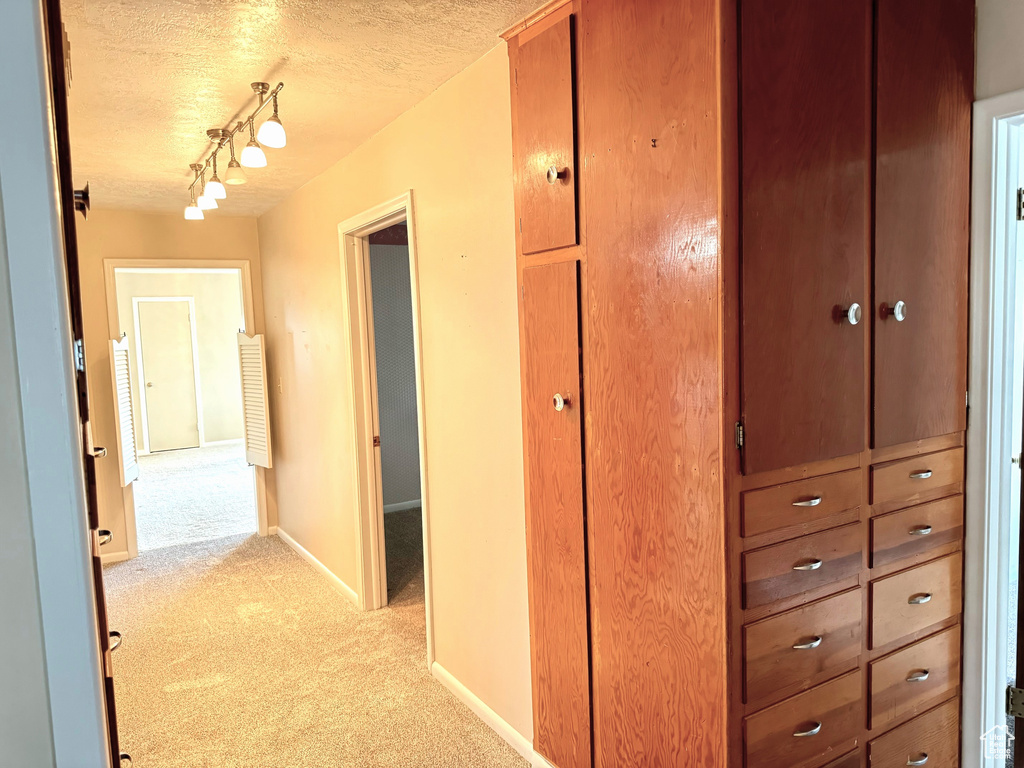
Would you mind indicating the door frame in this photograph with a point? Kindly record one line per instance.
(352, 235)
(203, 266)
(143, 403)
(989, 436)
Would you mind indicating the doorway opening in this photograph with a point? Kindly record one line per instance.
(179, 328)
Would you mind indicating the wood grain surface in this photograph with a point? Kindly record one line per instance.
(894, 696)
(556, 532)
(806, 168)
(649, 101)
(893, 616)
(894, 483)
(900, 535)
(545, 137)
(935, 734)
(775, 508)
(925, 88)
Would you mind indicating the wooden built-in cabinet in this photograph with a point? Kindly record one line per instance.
(742, 233)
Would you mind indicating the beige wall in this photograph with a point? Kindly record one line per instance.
(219, 315)
(110, 234)
(1000, 67)
(25, 736)
(454, 152)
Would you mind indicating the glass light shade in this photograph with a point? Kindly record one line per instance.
(215, 189)
(205, 202)
(271, 133)
(193, 213)
(253, 155)
(235, 174)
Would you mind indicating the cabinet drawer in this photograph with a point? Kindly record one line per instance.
(830, 717)
(914, 599)
(780, 571)
(934, 735)
(914, 678)
(851, 760)
(800, 645)
(915, 530)
(800, 503)
(545, 147)
(918, 478)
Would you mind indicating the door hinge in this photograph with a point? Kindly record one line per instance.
(79, 355)
(376, 441)
(1020, 204)
(739, 435)
(1014, 701)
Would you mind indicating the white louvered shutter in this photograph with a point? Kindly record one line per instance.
(124, 411)
(252, 362)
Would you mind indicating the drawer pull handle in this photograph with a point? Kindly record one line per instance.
(105, 537)
(812, 502)
(924, 474)
(920, 530)
(812, 732)
(918, 677)
(919, 761)
(115, 641)
(920, 599)
(809, 644)
(813, 565)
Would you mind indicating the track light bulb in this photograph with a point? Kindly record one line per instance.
(235, 174)
(272, 133)
(193, 213)
(205, 202)
(253, 155)
(215, 189)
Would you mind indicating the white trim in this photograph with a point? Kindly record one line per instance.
(326, 572)
(272, 530)
(115, 557)
(369, 503)
(177, 270)
(499, 725)
(243, 269)
(987, 545)
(143, 400)
(52, 439)
(402, 506)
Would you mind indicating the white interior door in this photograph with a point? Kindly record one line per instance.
(168, 374)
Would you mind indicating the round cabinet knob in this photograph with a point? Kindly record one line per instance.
(554, 174)
(561, 401)
(897, 311)
(149, 383)
(853, 314)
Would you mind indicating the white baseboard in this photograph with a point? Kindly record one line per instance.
(238, 440)
(402, 506)
(515, 739)
(115, 557)
(306, 555)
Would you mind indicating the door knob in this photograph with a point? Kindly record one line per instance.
(561, 401)
(554, 174)
(82, 202)
(851, 314)
(149, 383)
(897, 311)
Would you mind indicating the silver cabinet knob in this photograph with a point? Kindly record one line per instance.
(922, 474)
(897, 311)
(853, 314)
(920, 599)
(149, 383)
(811, 502)
(812, 731)
(554, 174)
(561, 401)
(813, 565)
(105, 537)
(918, 677)
(812, 643)
(919, 760)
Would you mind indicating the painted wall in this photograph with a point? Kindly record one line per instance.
(110, 234)
(454, 151)
(393, 343)
(1000, 67)
(25, 736)
(219, 315)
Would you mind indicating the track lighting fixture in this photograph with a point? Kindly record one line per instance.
(271, 133)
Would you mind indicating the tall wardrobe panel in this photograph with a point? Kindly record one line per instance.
(924, 93)
(545, 149)
(806, 164)
(558, 589)
(649, 128)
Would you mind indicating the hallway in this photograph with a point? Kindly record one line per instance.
(237, 653)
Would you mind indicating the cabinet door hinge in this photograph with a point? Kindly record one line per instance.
(739, 435)
(1014, 701)
(79, 353)
(1020, 204)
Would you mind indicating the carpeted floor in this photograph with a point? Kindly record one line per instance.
(195, 494)
(237, 653)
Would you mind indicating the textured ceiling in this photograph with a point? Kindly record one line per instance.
(150, 76)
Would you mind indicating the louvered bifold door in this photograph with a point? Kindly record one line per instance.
(252, 362)
(124, 411)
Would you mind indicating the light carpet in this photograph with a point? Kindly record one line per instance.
(237, 653)
(195, 494)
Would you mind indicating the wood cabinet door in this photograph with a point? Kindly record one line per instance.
(805, 190)
(555, 524)
(925, 74)
(545, 147)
